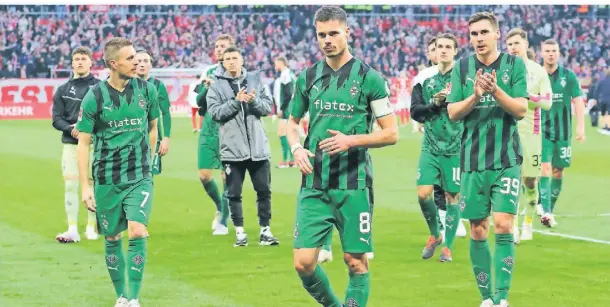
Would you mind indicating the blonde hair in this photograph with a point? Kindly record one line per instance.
(112, 47)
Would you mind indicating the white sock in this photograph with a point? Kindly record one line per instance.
(91, 219)
(443, 215)
(71, 203)
(265, 229)
(239, 230)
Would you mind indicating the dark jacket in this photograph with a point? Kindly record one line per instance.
(242, 134)
(66, 105)
(602, 93)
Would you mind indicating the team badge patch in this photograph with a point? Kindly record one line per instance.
(505, 78)
(563, 82)
(142, 102)
(354, 91)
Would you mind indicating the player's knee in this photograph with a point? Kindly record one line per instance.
(356, 263)
(424, 192)
(452, 197)
(71, 184)
(546, 169)
(503, 222)
(205, 175)
(479, 229)
(529, 182)
(137, 230)
(304, 266)
(113, 238)
(557, 173)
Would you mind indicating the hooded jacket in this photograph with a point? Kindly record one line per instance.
(242, 135)
(66, 105)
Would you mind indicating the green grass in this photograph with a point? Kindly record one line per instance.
(187, 266)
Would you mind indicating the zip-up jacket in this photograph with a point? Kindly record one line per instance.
(66, 105)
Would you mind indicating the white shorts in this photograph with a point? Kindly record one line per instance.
(69, 162)
(532, 155)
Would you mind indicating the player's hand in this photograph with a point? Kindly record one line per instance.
(337, 143)
(488, 82)
(250, 97)
(580, 134)
(242, 96)
(164, 147)
(207, 81)
(74, 132)
(301, 159)
(88, 198)
(478, 90)
(439, 98)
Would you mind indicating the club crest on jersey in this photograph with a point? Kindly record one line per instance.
(142, 102)
(563, 82)
(505, 78)
(354, 90)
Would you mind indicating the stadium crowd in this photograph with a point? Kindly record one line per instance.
(34, 39)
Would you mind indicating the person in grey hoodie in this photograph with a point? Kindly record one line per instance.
(237, 101)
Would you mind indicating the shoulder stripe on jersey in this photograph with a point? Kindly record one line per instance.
(345, 72)
(97, 93)
(510, 59)
(364, 69)
(310, 77)
(464, 65)
(327, 72)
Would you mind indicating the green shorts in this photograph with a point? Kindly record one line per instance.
(487, 190)
(439, 170)
(208, 156)
(349, 211)
(117, 204)
(558, 153)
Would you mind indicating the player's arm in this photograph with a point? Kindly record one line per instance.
(544, 99)
(153, 116)
(86, 124)
(262, 103)
(299, 105)
(515, 102)
(420, 111)
(579, 106)
(164, 105)
(221, 110)
(459, 106)
(59, 122)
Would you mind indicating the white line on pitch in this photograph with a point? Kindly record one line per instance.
(562, 235)
(583, 215)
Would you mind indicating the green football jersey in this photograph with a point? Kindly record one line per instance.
(338, 100)
(441, 135)
(118, 122)
(558, 120)
(490, 140)
(209, 127)
(165, 121)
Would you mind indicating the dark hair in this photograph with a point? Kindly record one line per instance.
(231, 49)
(449, 36)
(144, 50)
(432, 42)
(328, 13)
(484, 16)
(83, 50)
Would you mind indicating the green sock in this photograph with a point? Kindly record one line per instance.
(504, 262)
(480, 257)
(225, 205)
(452, 222)
(555, 191)
(137, 260)
(428, 208)
(545, 193)
(115, 262)
(531, 200)
(318, 287)
(285, 149)
(357, 293)
(212, 189)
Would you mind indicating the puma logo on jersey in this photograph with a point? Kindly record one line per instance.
(470, 79)
(107, 108)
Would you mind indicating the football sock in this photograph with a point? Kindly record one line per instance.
(319, 288)
(71, 203)
(326, 247)
(504, 259)
(137, 260)
(285, 149)
(531, 200)
(115, 262)
(545, 193)
(357, 293)
(452, 222)
(225, 205)
(480, 257)
(428, 208)
(555, 191)
(212, 189)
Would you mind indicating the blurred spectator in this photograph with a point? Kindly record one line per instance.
(389, 38)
